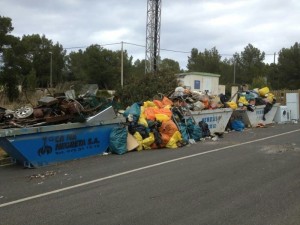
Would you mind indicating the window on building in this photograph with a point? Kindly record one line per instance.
(196, 84)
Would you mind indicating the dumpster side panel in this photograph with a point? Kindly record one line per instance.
(271, 115)
(11, 150)
(217, 119)
(45, 148)
(254, 118)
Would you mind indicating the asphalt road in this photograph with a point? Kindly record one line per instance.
(249, 177)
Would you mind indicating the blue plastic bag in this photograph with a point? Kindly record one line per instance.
(183, 130)
(237, 125)
(194, 130)
(134, 110)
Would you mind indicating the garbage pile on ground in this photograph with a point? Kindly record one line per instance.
(165, 123)
(60, 108)
(170, 122)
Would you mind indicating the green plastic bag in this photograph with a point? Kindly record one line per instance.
(118, 140)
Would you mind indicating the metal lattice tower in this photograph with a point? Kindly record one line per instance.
(152, 35)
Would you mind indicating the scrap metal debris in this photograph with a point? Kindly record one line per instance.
(61, 108)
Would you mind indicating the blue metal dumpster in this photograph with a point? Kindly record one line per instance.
(44, 145)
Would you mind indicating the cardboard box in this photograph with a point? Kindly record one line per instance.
(132, 143)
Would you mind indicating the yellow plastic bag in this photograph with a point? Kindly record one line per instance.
(243, 100)
(263, 91)
(231, 105)
(148, 141)
(142, 119)
(139, 139)
(270, 97)
(149, 104)
(174, 139)
(162, 117)
(142, 111)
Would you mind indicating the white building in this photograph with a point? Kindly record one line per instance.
(200, 81)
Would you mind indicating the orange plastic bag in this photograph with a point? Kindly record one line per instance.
(149, 113)
(166, 101)
(158, 103)
(165, 111)
(165, 139)
(168, 127)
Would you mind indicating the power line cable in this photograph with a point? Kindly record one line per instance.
(143, 46)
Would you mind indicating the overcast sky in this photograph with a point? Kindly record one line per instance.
(228, 25)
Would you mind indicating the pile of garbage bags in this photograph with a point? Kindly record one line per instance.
(164, 123)
(168, 123)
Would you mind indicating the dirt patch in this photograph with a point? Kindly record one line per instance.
(275, 149)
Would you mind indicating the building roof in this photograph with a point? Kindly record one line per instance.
(198, 74)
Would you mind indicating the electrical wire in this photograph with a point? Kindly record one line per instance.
(143, 46)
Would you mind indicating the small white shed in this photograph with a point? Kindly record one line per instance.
(200, 81)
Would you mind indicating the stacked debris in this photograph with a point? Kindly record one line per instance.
(248, 99)
(60, 108)
(196, 100)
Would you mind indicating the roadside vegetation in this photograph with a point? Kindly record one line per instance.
(28, 62)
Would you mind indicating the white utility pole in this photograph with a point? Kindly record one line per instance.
(50, 70)
(122, 65)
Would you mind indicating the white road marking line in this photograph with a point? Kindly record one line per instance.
(139, 169)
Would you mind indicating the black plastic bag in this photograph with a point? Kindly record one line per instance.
(205, 129)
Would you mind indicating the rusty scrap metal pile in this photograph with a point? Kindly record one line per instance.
(54, 110)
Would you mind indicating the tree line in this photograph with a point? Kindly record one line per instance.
(28, 60)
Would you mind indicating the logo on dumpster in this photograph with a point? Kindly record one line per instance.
(259, 113)
(67, 144)
(45, 149)
(212, 121)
